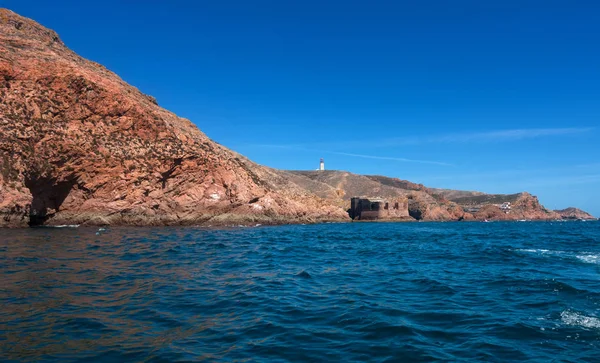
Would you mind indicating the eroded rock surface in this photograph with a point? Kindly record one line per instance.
(79, 145)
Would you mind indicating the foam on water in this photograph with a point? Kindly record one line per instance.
(531, 250)
(587, 257)
(61, 226)
(595, 259)
(539, 251)
(576, 319)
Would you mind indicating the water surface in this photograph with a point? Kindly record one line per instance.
(501, 291)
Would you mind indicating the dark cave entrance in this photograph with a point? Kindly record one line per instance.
(48, 195)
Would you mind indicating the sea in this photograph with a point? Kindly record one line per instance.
(346, 292)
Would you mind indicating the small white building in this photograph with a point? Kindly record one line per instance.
(322, 164)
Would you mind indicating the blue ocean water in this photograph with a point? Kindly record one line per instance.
(501, 291)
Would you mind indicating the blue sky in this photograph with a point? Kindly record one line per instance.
(497, 96)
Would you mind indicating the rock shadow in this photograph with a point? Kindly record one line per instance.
(48, 195)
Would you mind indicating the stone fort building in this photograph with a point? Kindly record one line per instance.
(374, 208)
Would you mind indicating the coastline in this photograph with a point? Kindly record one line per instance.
(217, 220)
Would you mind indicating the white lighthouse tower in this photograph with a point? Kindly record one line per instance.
(322, 164)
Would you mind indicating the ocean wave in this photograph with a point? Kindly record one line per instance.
(576, 319)
(595, 259)
(61, 226)
(540, 251)
(587, 257)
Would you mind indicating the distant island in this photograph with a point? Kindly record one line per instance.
(78, 145)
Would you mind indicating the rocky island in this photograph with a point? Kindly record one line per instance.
(78, 145)
(574, 214)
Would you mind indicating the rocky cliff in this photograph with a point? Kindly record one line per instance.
(79, 145)
(574, 213)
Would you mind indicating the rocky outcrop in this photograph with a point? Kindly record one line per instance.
(574, 213)
(523, 206)
(424, 203)
(79, 145)
(423, 206)
(338, 187)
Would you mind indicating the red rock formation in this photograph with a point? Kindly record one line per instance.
(574, 213)
(79, 145)
(423, 206)
(526, 206)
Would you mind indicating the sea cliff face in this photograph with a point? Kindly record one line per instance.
(79, 145)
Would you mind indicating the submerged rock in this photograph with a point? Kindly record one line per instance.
(304, 275)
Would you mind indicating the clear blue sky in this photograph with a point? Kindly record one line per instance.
(497, 96)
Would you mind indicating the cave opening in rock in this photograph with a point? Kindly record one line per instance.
(415, 210)
(48, 195)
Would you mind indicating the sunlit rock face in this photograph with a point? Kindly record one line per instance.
(79, 145)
